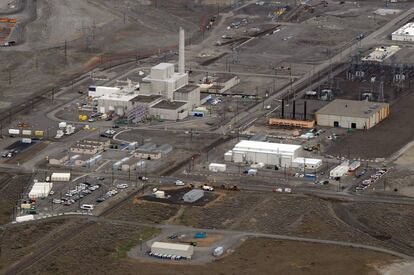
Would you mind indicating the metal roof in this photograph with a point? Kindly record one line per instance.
(175, 246)
(351, 108)
(407, 29)
(266, 147)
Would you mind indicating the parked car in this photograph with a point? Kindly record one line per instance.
(100, 199)
(122, 186)
(208, 188)
(179, 183)
(57, 201)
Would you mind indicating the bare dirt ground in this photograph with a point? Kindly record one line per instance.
(390, 135)
(259, 256)
(11, 188)
(23, 240)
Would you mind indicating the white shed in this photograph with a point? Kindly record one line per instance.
(60, 177)
(163, 248)
(40, 190)
(340, 170)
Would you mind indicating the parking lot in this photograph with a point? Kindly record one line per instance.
(80, 195)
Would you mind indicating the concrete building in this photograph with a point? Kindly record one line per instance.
(405, 33)
(174, 249)
(352, 114)
(170, 110)
(189, 94)
(164, 81)
(268, 153)
(89, 146)
(224, 82)
(380, 54)
(59, 159)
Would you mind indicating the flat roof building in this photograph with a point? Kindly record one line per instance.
(352, 114)
(405, 33)
(171, 110)
(265, 152)
(174, 249)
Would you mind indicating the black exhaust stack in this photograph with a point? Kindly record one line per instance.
(294, 109)
(304, 110)
(283, 108)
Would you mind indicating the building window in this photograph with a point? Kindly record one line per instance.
(353, 125)
(336, 124)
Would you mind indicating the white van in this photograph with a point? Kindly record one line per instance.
(87, 207)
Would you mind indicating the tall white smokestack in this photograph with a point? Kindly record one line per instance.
(181, 52)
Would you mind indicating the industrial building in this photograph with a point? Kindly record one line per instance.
(164, 93)
(405, 33)
(380, 54)
(269, 153)
(352, 114)
(193, 195)
(173, 249)
(40, 189)
(151, 151)
(90, 146)
(60, 177)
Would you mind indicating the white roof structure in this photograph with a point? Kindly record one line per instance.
(60, 177)
(266, 147)
(40, 189)
(307, 161)
(407, 29)
(183, 250)
(176, 246)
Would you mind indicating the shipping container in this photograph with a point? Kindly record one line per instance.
(39, 133)
(27, 132)
(13, 132)
(24, 218)
(26, 140)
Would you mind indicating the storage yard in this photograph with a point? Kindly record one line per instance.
(190, 137)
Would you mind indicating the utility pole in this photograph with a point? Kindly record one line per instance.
(66, 51)
(10, 78)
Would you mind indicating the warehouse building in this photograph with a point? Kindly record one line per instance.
(352, 114)
(90, 146)
(40, 189)
(405, 33)
(173, 249)
(265, 152)
(269, 153)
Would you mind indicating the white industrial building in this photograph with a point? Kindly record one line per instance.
(40, 189)
(174, 97)
(60, 177)
(340, 170)
(352, 114)
(174, 249)
(269, 153)
(405, 33)
(307, 163)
